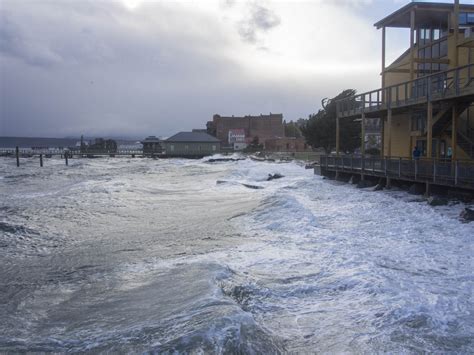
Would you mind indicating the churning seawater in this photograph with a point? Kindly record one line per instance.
(137, 255)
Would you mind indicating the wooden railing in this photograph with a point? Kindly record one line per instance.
(443, 85)
(458, 173)
(70, 152)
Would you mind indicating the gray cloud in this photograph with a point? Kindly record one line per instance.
(93, 67)
(260, 19)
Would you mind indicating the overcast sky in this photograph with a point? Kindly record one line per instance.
(135, 67)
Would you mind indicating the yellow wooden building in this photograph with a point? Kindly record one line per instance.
(426, 95)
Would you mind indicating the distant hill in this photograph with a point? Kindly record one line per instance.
(29, 142)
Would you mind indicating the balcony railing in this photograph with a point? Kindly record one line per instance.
(459, 173)
(443, 85)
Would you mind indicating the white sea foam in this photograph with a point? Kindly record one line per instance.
(156, 255)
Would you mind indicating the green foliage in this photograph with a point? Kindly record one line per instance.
(320, 129)
(254, 146)
(292, 130)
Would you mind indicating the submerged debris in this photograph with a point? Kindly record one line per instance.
(274, 176)
(467, 214)
(256, 187)
(216, 160)
(437, 201)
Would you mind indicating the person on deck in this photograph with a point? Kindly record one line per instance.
(416, 153)
(449, 153)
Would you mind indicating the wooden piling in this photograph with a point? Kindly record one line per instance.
(41, 160)
(17, 153)
(65, 157)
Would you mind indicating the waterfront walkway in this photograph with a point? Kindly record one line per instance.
(459, 173)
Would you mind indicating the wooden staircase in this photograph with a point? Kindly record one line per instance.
(465, 144)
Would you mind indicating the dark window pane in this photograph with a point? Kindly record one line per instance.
(421, 53)
(435, 52)
(443, 67)
(470, 18)
(463, 18)
(443, 50)
(428, 52)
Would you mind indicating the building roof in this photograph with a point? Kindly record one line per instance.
(427, 14)
(151, 139)
(271, 115)
(193, 137)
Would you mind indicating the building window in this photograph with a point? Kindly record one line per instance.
(172, 147)
(213, 148)
(421, 144)
(418, 122)
(466, 18)
(470, 18)
(186, 147)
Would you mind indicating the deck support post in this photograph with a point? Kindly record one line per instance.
(412, 45)
(389, 132)
(456, 33)
(382, 138)
(428, 189)
(337, 130)
(454, 136)
(362, 132)
(383, 58)
(41, 160)
(429, 129)
(388, 183)
(17, 154)
(65, 158)
(456, 172)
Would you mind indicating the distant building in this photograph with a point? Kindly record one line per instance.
(237, 138)
(287, 144)
(264, 127)
(151, 145)
(191, 145)
(100, 145)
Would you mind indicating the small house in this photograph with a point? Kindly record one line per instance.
(152, 145)
(191, 145)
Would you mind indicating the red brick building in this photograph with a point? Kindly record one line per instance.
(264, 127)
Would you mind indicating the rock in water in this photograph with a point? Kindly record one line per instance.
(378, 187)
(256, 187)
(467, 215)
(216, 160)
(416, 189)
(274, 176)
(365, 183)
(437, 201)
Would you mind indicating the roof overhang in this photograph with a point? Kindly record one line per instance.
(427, 14)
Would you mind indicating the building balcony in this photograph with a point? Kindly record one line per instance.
(454, 84)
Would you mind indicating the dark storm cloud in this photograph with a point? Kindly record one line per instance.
(96, 68)
(85, 67)
(260, 19)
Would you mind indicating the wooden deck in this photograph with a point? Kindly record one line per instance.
(455, 84)
(459, 173)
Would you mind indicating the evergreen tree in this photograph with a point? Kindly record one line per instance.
(320, 128)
